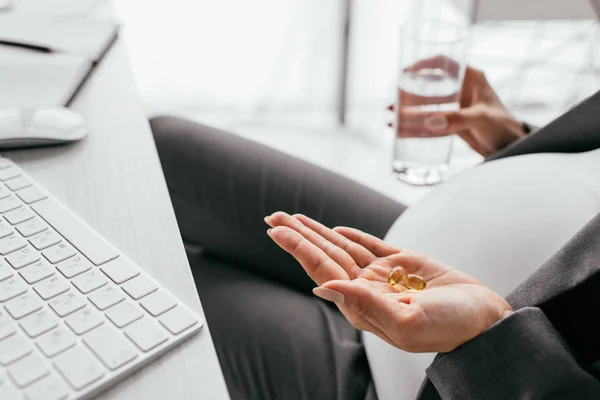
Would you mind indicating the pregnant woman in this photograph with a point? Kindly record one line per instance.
(474, 240)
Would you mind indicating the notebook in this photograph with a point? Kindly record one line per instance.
(32, 79)
(58, 8)
(86, 37)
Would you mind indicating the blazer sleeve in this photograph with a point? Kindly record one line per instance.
(575, 131)
(521, 356)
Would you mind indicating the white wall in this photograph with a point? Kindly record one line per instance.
(268, 61)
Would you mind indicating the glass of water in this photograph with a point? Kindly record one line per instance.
(430, 74)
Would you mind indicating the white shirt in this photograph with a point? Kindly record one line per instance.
(498, 222)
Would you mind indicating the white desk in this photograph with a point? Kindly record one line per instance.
(114, 181)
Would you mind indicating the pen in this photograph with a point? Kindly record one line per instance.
(27, 46)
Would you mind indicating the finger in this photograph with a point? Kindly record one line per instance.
(379, 310)
(334, 252)
(456, 121)
(414, 116)
(368, 241)
(472, 142)
(315, 262)
(412, 123)
(361, 255)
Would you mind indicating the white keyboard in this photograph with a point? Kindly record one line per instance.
(76, 315)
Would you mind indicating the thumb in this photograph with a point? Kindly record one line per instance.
(455, 121)
(367, 302)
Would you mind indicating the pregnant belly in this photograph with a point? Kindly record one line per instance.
(498, 222)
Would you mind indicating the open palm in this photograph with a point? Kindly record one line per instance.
(352, 269)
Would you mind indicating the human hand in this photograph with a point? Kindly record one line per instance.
(352, 268)
(482, 121)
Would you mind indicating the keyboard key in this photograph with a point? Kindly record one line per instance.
(32, 227)
(157, 303)
(89, 281)
(18, 183)
(28, 370)
(11, 243)
(51, 287)
(88, 242)
(9, 203)
(139, 287)
(10, 392)
(23, 305)
(9, 173)
(38, 323)
(6, 163)
(6, 229)
(84, 320)
(177, 320)
(48, 388)
(124, 313)
(74, 266)
(56, 341)
(36, 272)
(5, 271)
(11, 287)
(12, 348)
(45, 239)
(59, 252)
(79, 367)
(23, 257)
(67, 303)
(106, 297)
(7, 326)
(32, 194)
(53, 345)
(146, 334)
(120, 270)
(4, 192)
(110, 346)
(19, 215)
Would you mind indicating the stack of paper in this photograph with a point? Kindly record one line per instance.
(85, 37)
(44, 61)
(31, 79)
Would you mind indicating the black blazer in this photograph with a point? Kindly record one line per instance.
(550, 347)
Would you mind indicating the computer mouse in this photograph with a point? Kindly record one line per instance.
(40, 127)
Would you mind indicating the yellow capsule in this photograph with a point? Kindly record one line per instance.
(396, 276)
(414, 282)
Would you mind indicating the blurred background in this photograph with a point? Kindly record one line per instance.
(278, 61)
(288, 72)
(273, 70)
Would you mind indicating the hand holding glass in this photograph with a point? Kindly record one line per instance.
(432, 64)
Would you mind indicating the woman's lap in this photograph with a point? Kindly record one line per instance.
(222, 186)
(273, 337)
(275, 343)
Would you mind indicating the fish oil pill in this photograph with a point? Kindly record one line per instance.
(396, 276)
(414, 282)
(411, 281)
